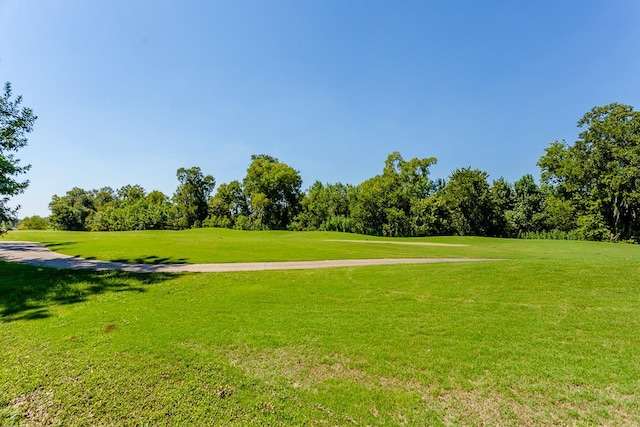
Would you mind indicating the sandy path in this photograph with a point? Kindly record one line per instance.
(38, 255)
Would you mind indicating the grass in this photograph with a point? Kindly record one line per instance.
(549, 336)
(222, 245)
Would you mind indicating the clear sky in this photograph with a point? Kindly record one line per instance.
(129, 91)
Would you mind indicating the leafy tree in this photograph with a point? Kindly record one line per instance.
(192, 195)
(227, 205)
(72, 211)
(598, 177)
(503, 199)
(151, 212)
(104, 197)
(15, 123)
(160, 210)
(272, 189)
(157, 197)
(369, 204)
(431, 216)
(382, 204)
(468, 198)
(527, 212)
(324, 207)
(34, 222)
(559, 214)
(130, 194)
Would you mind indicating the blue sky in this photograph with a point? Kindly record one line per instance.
(127, 92)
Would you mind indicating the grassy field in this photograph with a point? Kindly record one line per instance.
(550, 335)
(222, 245)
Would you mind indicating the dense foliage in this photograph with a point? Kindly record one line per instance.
(34, 222)
(590, 190)
(15, 123)
(191, 196)
(597, 179)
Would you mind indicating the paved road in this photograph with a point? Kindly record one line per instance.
(36, 254)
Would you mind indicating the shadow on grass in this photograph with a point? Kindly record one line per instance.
(57, 245)
(27, 292)
(151, 259)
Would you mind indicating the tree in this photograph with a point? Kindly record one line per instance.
(382, 205)
(104, 198)
(227, 205)
(469, 200)
(192, 195)
(325, 207)
(559, 214)
(130, 210)
(130, 194)
(273, 191)
(157, 197)
(15, 123)
(527, 212)
(598, 177)
(72, 211)
(503, 199)
(431, 216)
(34, 222)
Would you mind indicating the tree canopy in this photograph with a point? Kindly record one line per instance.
(273, 191)
(588, 190)
(15, 123)
(192, 195)
(598, 177)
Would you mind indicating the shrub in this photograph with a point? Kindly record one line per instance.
(34, 222)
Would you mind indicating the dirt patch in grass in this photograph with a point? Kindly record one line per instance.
(490, 407)
(300, 369)
(482, 405)
(476, 407)
(37, 407)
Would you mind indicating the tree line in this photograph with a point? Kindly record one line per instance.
(588, 190)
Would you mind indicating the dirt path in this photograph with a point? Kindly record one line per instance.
(38, 255)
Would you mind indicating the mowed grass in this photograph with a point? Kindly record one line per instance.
(211, 245)
(549, 335)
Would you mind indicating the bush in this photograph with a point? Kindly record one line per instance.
(550, 235)
(218, 221)
(34, 222)
(339, 223)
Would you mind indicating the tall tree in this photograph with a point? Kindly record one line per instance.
(73, 210)
(469, 200)
(599, 175)
(273, 191)
(130, 194)
(228, 203)
(104, 198)
(324, 206)
(383, 204)
(503, 199)
(15, 123)
(527, 212)
(192, 195)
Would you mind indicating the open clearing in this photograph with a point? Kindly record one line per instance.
(548, 336)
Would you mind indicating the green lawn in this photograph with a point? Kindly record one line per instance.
(222, 245)
(550, 335)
